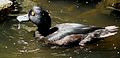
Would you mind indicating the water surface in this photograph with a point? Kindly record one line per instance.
(20, 43)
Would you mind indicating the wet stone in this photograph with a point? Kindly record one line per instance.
(115, 7)
(4, 8)
(5, 4)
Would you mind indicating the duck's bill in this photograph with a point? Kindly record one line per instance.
(22, 18)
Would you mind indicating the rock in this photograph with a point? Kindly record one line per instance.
(16, 7)
(5, 8)
(115, 7)
(5, 4)
(9, 6)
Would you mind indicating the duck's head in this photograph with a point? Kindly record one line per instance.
(38, 16)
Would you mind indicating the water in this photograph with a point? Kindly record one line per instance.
(20, 43)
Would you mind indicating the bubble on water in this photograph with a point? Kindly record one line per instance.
(115, 47)
(118, 52)
(6, 47)
(113, 44)
(97, 44)
(14, 43)
(49, 1)
(87, 2)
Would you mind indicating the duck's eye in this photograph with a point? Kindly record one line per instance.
(33, 13)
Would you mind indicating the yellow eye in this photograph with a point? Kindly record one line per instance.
(33, 13)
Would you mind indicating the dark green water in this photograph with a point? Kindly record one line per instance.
(20, 43)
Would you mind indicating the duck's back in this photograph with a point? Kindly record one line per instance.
(66, 29)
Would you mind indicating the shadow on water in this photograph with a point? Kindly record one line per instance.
(20, 43)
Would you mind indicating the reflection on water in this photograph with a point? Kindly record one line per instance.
(20, 43)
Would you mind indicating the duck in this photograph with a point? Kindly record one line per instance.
(65, 33)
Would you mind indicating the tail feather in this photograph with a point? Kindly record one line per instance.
(109, 31)
(100, 33)
(114, 28)
(107, 35)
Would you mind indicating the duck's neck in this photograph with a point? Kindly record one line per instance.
(44, 24)
(44, 31)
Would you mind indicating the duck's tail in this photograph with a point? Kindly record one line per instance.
(108, 31)
(100, 33)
